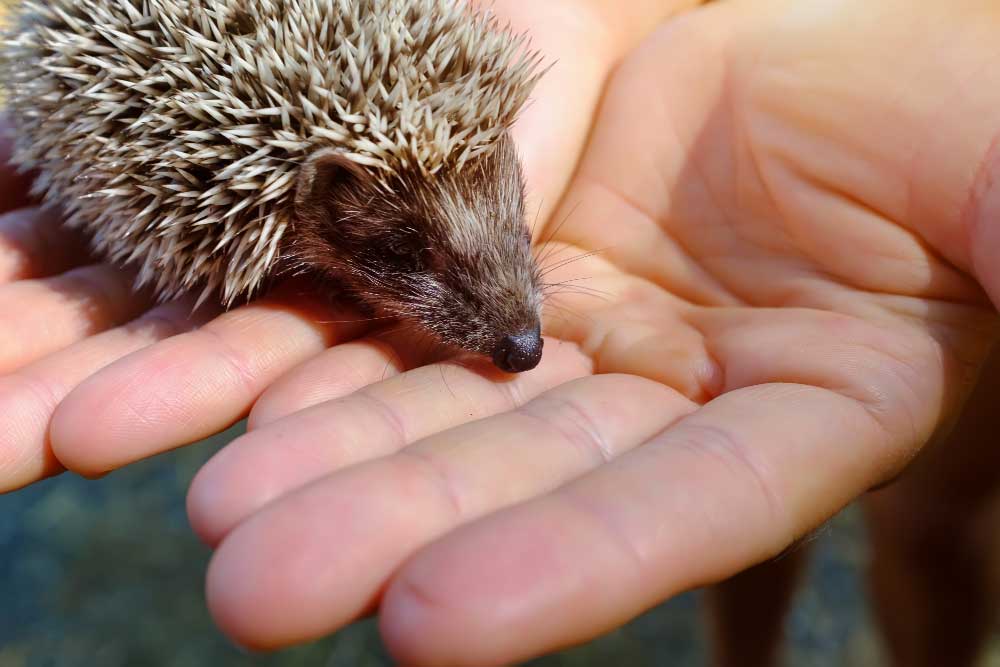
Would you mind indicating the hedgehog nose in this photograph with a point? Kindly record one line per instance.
(519, 352)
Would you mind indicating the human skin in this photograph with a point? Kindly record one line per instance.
(791, 299)
(169, 378)
(793, 207)
(933, 574)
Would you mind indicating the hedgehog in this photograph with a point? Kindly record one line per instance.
(216, 144)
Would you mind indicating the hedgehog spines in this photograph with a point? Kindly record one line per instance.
(172, 130)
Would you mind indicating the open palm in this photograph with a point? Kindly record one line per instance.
(94, 376)
(774, 303)
(781, 305)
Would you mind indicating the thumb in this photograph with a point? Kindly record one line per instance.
(582, 41)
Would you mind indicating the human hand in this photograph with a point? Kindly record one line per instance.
(791, 204)
(96, 376)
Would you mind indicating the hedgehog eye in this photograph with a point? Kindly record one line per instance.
(399, 246)
(405, 250)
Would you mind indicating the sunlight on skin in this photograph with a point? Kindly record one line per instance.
(582, 39)
(205, 380)
(823, 336)
(445, 479)
(29, 396)
(109, 398)
(790, 205)
(177, 391)
(380, 419)
(557, 28)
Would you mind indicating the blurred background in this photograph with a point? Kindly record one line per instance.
(107, 573)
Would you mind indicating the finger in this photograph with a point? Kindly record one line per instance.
(336, 372)
(34, 243)
(726, 487)
(636, 177)
(317, 559)
(39, 317)
(346, 368)
(658, 343)
(29, 397)
(575, 80)
(190, 386)
(276, 459)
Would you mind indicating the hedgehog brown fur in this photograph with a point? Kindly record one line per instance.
(178, 133)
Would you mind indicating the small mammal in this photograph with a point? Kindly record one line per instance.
(215, 143)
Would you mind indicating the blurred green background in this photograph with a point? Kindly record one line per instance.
(107, 573)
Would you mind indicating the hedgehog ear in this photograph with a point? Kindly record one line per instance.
(324, 172)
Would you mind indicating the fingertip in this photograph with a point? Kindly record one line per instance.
(402, 623)
(409, 623)
(239, 594)
(233, 485)
(24, 456)
(206, 504)
(229, 604)
(498, 591)
(264, 590)
(154, 399)
(431, 612)
(420, 630)
(95, 428)
(75, 423)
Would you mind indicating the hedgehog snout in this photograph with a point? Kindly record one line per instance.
(519, 352)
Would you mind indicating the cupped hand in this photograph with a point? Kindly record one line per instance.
(96, 376)
(770, 289)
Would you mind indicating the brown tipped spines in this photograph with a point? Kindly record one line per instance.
(173, 130)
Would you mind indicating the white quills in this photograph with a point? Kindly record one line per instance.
(173, 130)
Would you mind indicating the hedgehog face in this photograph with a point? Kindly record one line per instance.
(449, 252)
